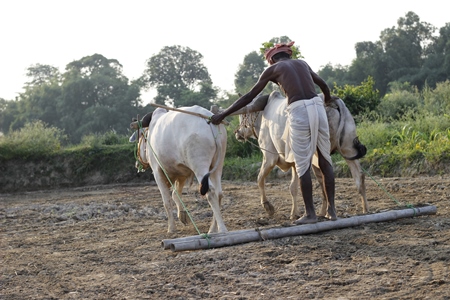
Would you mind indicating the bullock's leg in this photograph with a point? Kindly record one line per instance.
(161, 181)
(359, 177)
(319, 176)
(177, 191)
(266, 167)
(293, 187)
(214, 197)
(328, 186)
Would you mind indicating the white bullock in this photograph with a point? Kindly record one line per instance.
(180, 146)
(265, 120)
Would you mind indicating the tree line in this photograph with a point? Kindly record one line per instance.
(93, 96)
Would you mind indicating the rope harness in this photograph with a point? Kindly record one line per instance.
(140, 164)
(248, 121)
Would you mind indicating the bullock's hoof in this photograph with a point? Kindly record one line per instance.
(269, 208)
(331, 215)
(332, 218)
(294, 217)
(183, 216)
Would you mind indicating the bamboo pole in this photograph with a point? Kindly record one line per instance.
(167, 242)
(254, 235)
(186, 112)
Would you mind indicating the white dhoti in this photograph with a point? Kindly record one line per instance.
(306, 132)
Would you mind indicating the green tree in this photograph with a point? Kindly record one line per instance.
(40, 74)
(334, 75)
(405, 48)
(248, 72)
(39, 101)
(398, 55)
(8, 113)
(96, 97)
(279, 40)
(436, 67)
(177, 72)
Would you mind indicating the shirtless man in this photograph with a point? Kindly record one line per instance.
(308, 124)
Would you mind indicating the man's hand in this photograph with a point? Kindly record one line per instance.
(216, 119)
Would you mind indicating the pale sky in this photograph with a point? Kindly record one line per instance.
(57, 32)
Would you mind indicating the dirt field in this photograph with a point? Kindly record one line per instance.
(104, 242)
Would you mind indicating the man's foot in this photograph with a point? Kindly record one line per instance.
(306, 220)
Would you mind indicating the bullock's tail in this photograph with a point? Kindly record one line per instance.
(360, 148)
(345, 114)
(204, 185)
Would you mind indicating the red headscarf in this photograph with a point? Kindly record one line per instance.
(277, 49)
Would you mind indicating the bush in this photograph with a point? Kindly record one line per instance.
(437, 101)
(398, 103)
(34, 139)
(109, 138)
(236, 148)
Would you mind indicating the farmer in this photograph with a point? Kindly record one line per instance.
(307, 121)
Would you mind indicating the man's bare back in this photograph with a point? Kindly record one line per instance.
(294, 77)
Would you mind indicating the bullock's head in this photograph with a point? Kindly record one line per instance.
(142, 163)
(246, 127)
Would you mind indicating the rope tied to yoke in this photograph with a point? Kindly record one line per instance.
(409, 205)
(141, 165)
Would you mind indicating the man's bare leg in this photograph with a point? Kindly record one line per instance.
(306, 187)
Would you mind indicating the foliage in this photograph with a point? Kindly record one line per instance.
(96, 97)
(107, 139)
(180, 78)
(280, 40)
(399, 102)
(359, 99)
(239, 168)
(437, 101)
(248, 72)
(335, 75)
(92, 96)
(34, 139)
(418, 139)
(408, 52)
(42, 74)
(236, 148)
